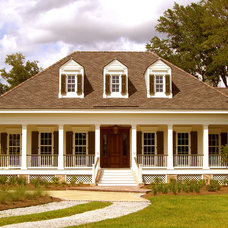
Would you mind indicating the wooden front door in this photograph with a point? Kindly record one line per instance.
(115, 147)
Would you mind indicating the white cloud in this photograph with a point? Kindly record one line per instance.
(49, 30)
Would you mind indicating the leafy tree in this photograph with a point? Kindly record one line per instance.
(225, 155)
(190, 42)
(19, 72)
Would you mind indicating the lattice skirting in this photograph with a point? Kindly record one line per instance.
(189, 177)
(47, 178)
(220, 177)
(85, 179)
(147, 179)
(8, 176)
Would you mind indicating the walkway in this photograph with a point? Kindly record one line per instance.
(97, 195)
(117, 209)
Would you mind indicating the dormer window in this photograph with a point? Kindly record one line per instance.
(115, 80)
(71, 80)
(158, 80)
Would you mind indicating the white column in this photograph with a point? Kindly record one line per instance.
(24, 148)
(205, 147)
(97, 141)
(60, 157)
(133, 141)
(170, 147)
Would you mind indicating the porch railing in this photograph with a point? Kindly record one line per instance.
(42, 160)
(216, 161)
(188, 160)
(79, 160)
(10, 160)
(152, 160)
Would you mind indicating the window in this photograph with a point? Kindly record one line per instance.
(71, 83)
(14, 144)
(115, 83)
(159, 83)
(46, 143)
(149, 143)
(80, 143)
(213, 144)
(182, 143)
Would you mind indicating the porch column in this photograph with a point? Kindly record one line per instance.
(60, 157)
(170, 147)
(133, 141)
(97, 141)
(24, 148)
(205, 147)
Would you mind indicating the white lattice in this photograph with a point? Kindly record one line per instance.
(147, 179)
(8, 176)
(47, 178)
(189, 177)
(86, 179)
(220, 178)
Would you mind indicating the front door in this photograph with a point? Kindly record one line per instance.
(115, 147)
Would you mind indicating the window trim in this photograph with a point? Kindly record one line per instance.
(219, 142)
(75, 84)
(52, 145)
(8, 144)
(74, 146)
(155, 142)
(189, 143)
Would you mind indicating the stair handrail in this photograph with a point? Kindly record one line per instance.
(95, 169)
(138, 170)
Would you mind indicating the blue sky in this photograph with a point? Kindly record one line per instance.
(47, 30)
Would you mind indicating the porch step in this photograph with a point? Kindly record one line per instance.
(117, 177)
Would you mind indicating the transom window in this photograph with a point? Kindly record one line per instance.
(213, 144)
(80, 143)
(149, 143)
(46, 143)
(182, 143)
(159, 83)
(115, 83)
(71, 83)
(14, 144)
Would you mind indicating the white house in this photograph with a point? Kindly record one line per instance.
(113, 118)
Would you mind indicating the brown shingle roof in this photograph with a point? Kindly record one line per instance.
(41, 91)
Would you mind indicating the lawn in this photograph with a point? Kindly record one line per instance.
(54, 214)
(175, 211)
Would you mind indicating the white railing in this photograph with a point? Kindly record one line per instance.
(42, 161)
(188, 160)
(216, 161)
(78, 160)
(10, 160)
(137, 169)
(95, 169)
(152, 160)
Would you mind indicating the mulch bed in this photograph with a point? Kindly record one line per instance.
(27, 203)
(203, 191)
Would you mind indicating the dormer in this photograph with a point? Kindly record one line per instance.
(158, 80)
(71, 80)
(115, 78)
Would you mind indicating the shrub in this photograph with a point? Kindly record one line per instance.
(55, 180)
(73, 180)
(3, 180)
(12, 180)
(21, 181)
(213, 186)
(35, 182)
(225, 155)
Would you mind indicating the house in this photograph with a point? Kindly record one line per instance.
(113, 118)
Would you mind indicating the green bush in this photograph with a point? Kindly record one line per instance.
(225, 155)
(12, 180)
(55, 180)
(3, 180)
(73, 180)
(21, 181)
(213, 186)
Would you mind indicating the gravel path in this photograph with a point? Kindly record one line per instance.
(117, 209)
(39, 208)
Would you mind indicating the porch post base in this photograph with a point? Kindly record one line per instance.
(207, 178)
(171, 176)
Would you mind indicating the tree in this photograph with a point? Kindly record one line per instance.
(19, 72)
(188, 41)
(225, 155)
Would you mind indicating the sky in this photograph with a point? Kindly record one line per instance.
(48, 30)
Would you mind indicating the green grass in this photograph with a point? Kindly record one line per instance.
(209, 211)
(54, 214)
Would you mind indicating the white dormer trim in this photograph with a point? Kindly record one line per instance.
(71, 68)
(115, 68)
(159, 68)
